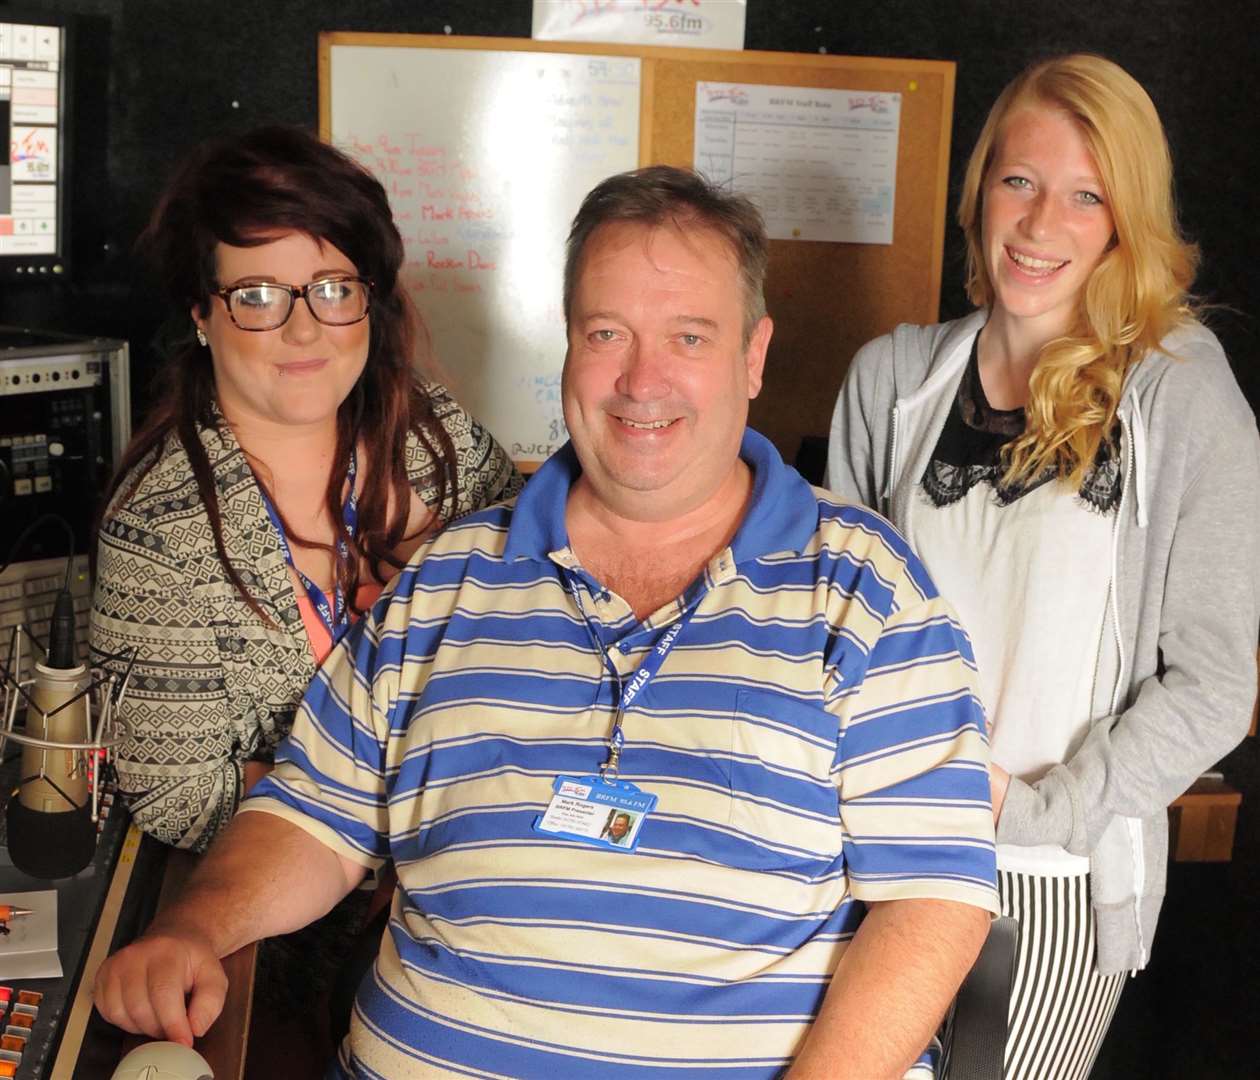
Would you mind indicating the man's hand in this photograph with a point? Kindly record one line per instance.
(142, 988)
(264, 876)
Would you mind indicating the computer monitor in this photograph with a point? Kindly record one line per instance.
(33, 107)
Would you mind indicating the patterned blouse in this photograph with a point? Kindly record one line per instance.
(214, 686)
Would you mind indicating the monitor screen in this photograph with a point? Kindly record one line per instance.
(32, 179)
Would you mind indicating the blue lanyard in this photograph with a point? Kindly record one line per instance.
(632, 688)
(336, 618)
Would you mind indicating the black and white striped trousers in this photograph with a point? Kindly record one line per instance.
(1060, 1006)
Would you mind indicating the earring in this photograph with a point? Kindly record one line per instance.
(202, 340)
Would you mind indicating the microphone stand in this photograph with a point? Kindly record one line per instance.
(109, 687)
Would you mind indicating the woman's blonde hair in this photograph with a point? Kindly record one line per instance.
(1136, 293)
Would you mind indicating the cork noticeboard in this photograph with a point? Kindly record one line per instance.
(827, 299)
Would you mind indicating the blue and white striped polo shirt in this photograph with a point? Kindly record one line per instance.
(813, 738)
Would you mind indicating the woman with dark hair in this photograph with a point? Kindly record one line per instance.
(292, 463)
(1077, 468)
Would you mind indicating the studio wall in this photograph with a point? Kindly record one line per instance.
(154, 77)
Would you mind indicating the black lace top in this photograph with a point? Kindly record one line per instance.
(970, 447)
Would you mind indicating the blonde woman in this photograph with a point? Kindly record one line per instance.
(1076, 466)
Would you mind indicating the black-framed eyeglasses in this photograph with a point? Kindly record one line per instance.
(267, 305)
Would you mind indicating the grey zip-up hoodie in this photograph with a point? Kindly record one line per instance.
(1177, 671)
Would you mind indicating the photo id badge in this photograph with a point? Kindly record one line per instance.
(605, 813)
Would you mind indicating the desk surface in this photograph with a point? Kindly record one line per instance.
(79, 902)
(147, 875)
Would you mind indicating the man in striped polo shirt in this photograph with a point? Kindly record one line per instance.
(680, 761)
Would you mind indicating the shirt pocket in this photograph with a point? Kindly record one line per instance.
(783, 799)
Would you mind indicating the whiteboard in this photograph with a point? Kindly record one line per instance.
(486, 157)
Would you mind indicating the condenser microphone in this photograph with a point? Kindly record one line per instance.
(49, 818)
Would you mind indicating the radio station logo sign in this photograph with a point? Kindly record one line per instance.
(33, 154)
(704, 24)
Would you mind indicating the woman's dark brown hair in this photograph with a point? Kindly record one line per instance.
(245, 191)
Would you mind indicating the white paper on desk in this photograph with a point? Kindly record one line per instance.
(700, 24)
(29, 949)
(819, 164)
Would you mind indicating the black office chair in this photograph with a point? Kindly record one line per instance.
(979, 1024)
